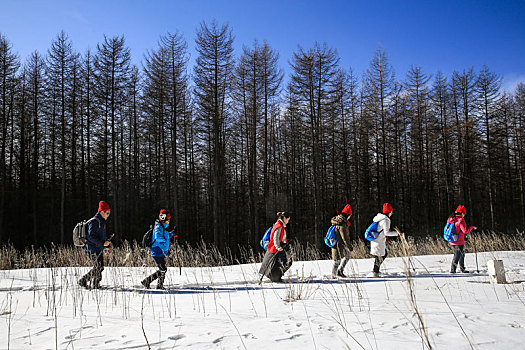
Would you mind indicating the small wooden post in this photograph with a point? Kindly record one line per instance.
(496, 271)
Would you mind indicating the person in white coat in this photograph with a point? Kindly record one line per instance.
(378, 245)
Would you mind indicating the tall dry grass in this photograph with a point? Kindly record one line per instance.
(205, 255)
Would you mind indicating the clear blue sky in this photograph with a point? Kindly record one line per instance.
(437, 35)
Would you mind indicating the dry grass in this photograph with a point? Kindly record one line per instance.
(203, 255)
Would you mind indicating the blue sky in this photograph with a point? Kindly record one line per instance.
(436, 35)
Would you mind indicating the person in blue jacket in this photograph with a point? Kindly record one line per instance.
(95, 244)
(159, 249)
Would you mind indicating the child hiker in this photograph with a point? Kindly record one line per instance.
(96, 242)
(342, 247)
(159, 249)
(459, 245)
(276, 261)
(378, 246)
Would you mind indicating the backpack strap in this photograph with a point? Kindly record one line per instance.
(94, 217)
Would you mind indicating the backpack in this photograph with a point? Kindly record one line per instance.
(449, 232)
(371, 232)
(266, 238)
(80, 232)
(330, 239)
(147, 238)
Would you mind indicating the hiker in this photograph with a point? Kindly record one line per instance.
(378, 246)
(458, 218)
(96, 243)
(342, 247)
(277, 261)
(159, 249)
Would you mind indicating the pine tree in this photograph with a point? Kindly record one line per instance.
(212, 72)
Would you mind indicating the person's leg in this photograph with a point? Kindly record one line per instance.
(265, 265)
(342, 265)
(97, 270)
(378, 261)
(95, 274)
(83, 281)
(147, 281)
(462, 258)
(157, 274)
(335, 258)
(455, 259)
(279, 267)
(161, 263)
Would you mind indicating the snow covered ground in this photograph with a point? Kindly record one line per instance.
(225, 308)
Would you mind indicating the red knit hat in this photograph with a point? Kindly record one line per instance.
(103, 206)
(164, 211)
(461, 209)
(387, 208)
(347, 209)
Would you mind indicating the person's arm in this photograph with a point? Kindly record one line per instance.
(392, 233)
(276, 235)
(343, 232)
(386, 228)
(463, 227)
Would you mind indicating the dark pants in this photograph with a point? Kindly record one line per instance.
(95, 274)
(161, 274)
(378, 261)
(161, 263)
(275, 265)
(459, 257)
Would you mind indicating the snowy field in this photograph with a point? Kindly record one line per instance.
(226, 308)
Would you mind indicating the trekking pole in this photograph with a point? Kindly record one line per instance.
(178, 257)
(475, 253)
(267, 266)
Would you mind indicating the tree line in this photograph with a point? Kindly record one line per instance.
(227, 143)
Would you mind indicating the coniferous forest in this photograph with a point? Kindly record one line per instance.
(226, 143)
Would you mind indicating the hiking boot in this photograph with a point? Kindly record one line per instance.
(340, 273)
(145, 282)
(160, 283)
(375, 274)
(465, 271)
(95, 282)
(83, 282)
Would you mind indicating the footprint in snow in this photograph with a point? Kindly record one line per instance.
(290, 338)
(177, 337)
(218, 340)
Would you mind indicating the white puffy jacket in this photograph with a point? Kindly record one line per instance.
(378, 245)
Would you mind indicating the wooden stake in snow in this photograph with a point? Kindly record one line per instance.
(496, 271)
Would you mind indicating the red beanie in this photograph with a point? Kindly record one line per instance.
(347, 209)
(387, 208)
(103, 206)
(461, 209)
(164, 211)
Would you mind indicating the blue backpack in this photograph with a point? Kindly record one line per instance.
(449, 233)
(330, 239)
(266, 238)
(371, 232)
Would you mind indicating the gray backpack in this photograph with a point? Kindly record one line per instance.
(80, 232)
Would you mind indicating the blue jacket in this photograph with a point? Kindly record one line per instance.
(96, 234)
(161, 239)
